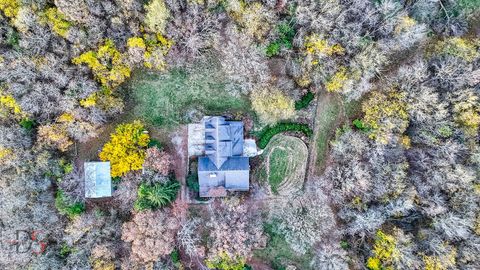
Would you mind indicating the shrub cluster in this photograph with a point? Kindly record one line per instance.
(225, 262)
(157, 195)
(271, 105)
(360, 125)
(65, 207)
(192, 182)
(304, 101)
(155, 143)
(286, 33)
(267, 134)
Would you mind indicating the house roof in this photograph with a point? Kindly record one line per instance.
(98, 181)
(233, 180)
(222, 139)
(223, 166)
(237, 180)
(231, 164)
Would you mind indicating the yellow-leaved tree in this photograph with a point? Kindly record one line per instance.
(316, 45)
(384, 251)
(54, 135)
(271, 105)
(254, 19)
(157, 16)
(153, 48)
(126, 149)
(386, 115)
(10, 8)
(466, 49)
(467, 112)
(9, 108)
(5, 154)
(57, 21)
(107, 64)
(337, 81)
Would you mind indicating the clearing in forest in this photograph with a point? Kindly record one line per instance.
(181, 95)
(283, 165)
(332, 112)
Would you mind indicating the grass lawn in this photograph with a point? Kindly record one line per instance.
(179, 94)
(279, 161)
(334, 113)
(327, 122)
(283, 164)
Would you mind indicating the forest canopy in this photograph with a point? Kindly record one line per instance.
(361, 119)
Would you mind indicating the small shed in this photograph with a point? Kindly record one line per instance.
(98, 181)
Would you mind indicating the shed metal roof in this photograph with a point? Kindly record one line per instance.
(98, 181)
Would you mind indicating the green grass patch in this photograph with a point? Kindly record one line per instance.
(283, 164)
(278, 167)
(171, 98)
(327, 123)
(336, 110)
(279, 253)
(352, 108)
(268, 132)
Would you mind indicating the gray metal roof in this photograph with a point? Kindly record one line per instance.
(98, 181)
(231, 164)
(223, 166)
(236, 129)
(222, 139)
(237, 180)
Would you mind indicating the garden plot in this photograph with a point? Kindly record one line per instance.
(283, 165)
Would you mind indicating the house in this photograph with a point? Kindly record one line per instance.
(98, 181)
(223, 167)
